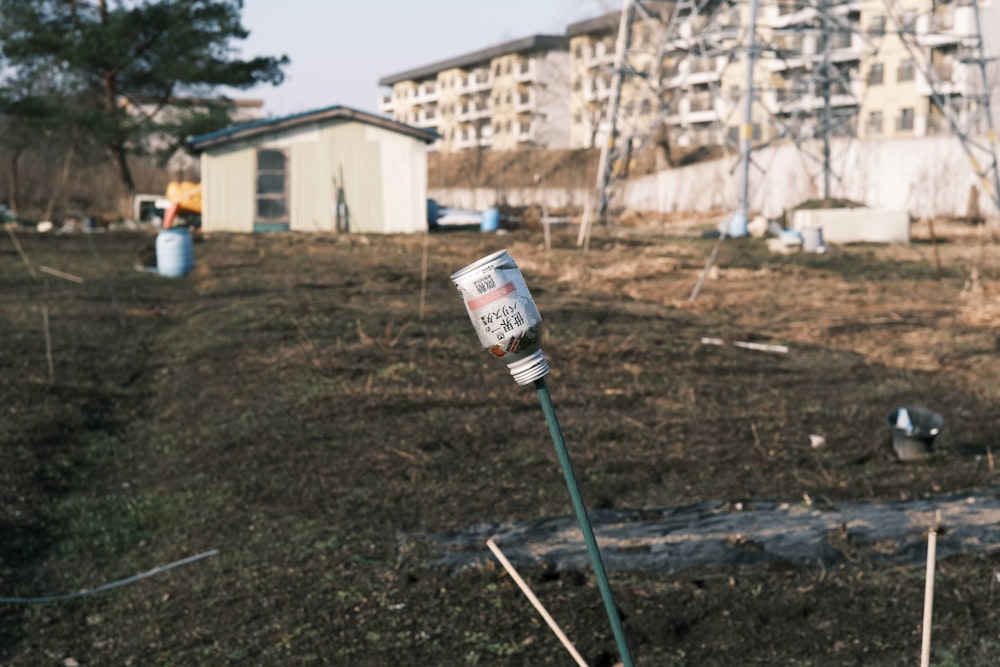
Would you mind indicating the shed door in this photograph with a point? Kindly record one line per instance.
(272, 191)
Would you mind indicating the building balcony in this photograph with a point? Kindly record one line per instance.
(787, 101)
(386, 104)
(703, 116)
(525, 132)
(721, 34)
(475, 82)
(949, 78)
(602, 56)
(525, 71)
(950, 25)
(686, 117)
(596, 90)
(426, 93)
(604, 61)
(813, 103)
(467, 138)
(473, 111)
(698, 75)
(524, 102)
(809, 53)
(427, 119)
(788, 14)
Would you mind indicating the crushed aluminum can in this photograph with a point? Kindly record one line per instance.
(503, 314)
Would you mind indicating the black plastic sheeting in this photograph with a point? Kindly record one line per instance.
(815, 532)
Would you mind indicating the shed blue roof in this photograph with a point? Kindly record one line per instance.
(267, 125)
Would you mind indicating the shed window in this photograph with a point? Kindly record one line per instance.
(272, 192)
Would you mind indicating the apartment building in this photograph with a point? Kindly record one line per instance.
(864, 68)
(927, 50)
(813, 62)
(503, 97)
(591, 58)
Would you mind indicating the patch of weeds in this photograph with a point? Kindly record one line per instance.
(487, 648)
(404, 371)
(104, 525)
(945, 658)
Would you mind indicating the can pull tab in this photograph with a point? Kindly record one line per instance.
(903, 422)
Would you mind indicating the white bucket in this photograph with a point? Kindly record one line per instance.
(812, 239)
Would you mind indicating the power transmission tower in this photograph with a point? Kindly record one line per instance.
(975, 121)
(677, 29)
(819, 51)
(814, 51)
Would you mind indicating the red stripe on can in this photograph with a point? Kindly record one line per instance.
(490, 297)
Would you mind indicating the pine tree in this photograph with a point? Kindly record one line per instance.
(102, 60)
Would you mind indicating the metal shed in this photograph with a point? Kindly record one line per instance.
(332, 169)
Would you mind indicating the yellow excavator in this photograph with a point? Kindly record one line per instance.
(184, 199)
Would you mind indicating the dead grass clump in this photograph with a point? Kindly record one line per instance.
(982, 308)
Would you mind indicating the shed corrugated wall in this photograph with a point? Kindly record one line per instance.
(404, 183)
(383, 175)
(228, 196)
(310, 190)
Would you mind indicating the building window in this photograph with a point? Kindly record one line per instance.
(272, 197)
(577, 118)
(578, 51)
(906, 70)
(508, 69)
(905, 121)
(876, 28)
(875, 75)
(496, 72)
(873, 124)
(577, 85)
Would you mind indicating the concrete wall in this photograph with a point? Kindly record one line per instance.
(483, 198)
(923, 176)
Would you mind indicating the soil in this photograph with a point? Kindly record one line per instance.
(318, 408)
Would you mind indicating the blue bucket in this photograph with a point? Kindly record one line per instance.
(433, 213)
(174, 252)
(490, 221)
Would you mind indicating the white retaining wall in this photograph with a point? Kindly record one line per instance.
(923, 176)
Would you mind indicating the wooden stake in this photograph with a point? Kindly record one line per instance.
(20, 251)
(48, 345)
(934, 244)
(423, 276)
(925, 648)
(61, 274)
(536, 603)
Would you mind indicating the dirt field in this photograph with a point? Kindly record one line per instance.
(310, 406)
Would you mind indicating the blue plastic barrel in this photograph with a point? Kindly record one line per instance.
(737, 227)
(433, 213)
(490, 221)
(174, 252)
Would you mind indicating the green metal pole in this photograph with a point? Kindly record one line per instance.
(584, 519)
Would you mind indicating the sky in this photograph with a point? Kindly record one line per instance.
(339, 49)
